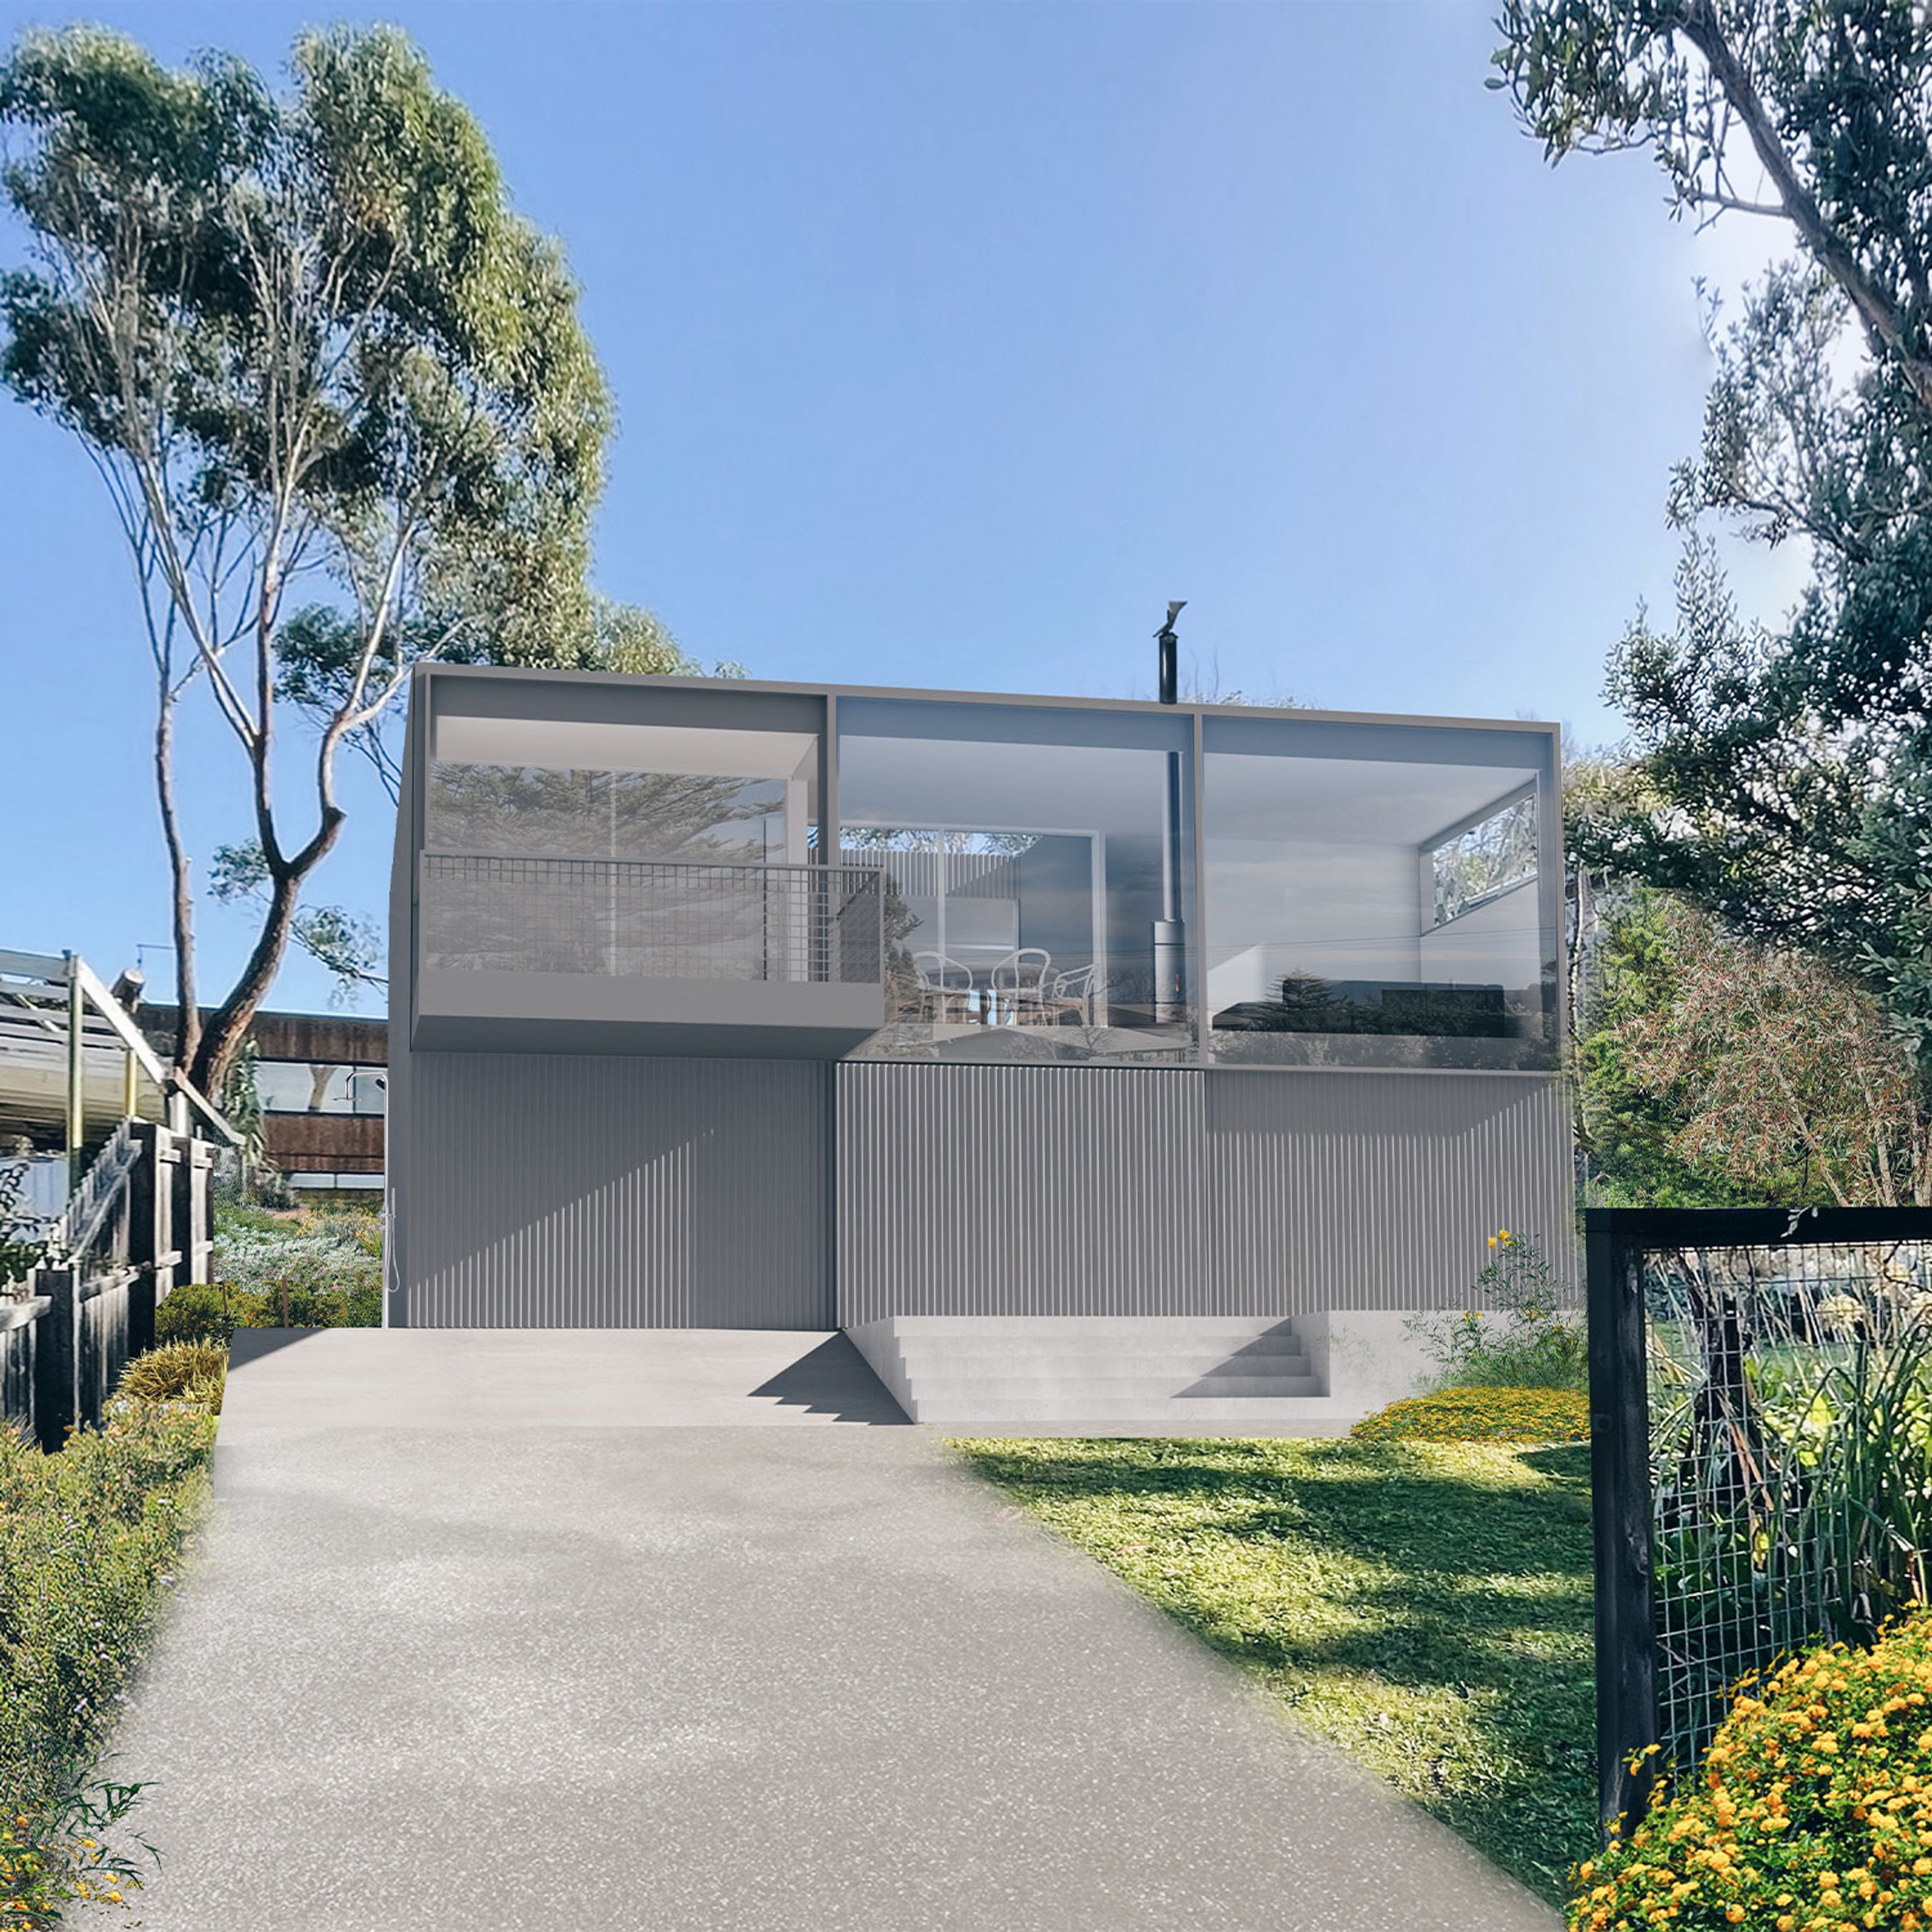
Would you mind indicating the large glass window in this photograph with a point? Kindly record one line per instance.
(526, 788)
(1372, 896)
(625, 849)
(1038, 866)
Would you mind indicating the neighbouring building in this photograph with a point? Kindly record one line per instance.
(321, 1078)
(721, 1003)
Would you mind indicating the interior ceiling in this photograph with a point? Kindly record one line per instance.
(978, 786)
(991, 787)
(1347, 801)
(580, 745)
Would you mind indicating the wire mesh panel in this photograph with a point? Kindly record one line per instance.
(634, 918)
(1761, 1418)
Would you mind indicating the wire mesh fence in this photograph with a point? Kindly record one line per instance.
(647, 919)
(1761, 1422)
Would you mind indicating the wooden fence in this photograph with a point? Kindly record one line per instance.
(136, 1227)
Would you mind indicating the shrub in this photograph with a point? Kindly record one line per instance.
(89, 1541)
(178, 1372)
(199, 1311)
(1811, 1810)
(51, 1855)
(307, 1271)
(1532, 1337)
(1482, 1415)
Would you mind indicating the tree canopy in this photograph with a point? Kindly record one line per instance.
(1784, 775)
(340, 395)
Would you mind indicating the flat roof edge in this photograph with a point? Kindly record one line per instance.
(518, 674)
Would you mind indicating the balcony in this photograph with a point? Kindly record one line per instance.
(542, 955)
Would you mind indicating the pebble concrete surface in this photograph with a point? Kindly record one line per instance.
(588, 1677)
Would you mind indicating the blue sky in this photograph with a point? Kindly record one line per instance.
(949, 342)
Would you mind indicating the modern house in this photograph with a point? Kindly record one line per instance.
(1103, 1045)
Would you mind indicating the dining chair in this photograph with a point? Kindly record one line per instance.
(948, 985)
(1019, 984)
(1070, 992)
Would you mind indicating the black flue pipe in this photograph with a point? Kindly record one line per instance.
(1170, 936)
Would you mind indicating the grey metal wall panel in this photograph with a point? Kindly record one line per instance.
(569, 1191)
(967, 1190)
(1379, 1190)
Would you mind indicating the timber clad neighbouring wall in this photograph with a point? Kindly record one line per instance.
(580, 1191)
(986, 1190)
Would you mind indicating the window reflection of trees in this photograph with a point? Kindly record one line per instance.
(589, 918)
(513, 811)
(1485, 861)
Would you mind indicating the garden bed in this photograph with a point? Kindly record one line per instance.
(1425, 1605)
(90, 1542)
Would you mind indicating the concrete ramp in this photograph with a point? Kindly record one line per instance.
(555, 1678)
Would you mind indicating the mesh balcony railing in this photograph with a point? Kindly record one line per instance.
(645, 918)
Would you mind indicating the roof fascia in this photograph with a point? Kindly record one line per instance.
(1528, 727)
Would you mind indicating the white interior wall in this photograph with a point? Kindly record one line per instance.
(1279, 906)
(1495, 945)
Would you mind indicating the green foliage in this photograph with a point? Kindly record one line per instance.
(1531, 1336)
(1812, 1810)
(312, 351)
(52, 1856)
(1630, 1121)
(90, 1543)
(22, 1238)
(1426, 1605)
(1793, 1474)
(210, 1312)
(299, 1269)
(198, 1311)
(1785, 774)
(1787, 1077)
(1487, 1414)
(189, 1371)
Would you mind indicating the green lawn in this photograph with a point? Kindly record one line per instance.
(1425, 1605)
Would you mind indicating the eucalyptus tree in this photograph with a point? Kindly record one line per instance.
(340, 396)
(1784, 772)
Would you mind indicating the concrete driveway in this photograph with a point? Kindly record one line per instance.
(520, 1632)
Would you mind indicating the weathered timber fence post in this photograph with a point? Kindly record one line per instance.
(57, 1357)
(148, 1248)
(1627, 1718)
(194, 1160)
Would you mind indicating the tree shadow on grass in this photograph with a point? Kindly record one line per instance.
(1447, 1591)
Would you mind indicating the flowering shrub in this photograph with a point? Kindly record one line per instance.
(1482, 1415)
(1531, 1336)
(50, 1857)
(89, 1540)
(1812, 1810)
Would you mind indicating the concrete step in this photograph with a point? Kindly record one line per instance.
(1277, 1414)
(1079, 1391)
(1153, 1326)
(1186, 1364)
(1177, 1371)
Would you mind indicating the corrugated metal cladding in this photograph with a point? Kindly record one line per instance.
(567, 1191)
(1097, 1191)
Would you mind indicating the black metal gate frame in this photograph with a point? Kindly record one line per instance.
(1615, 1239)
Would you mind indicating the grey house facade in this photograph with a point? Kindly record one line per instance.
(730, 1004)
